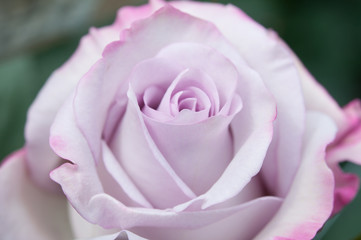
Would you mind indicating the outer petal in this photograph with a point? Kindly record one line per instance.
(127, 15)
(79, 181)
(346, 148)
(27, 211)
(347, 145)
(310, 200)
(315, 95)
(82, 229)
(58, 87)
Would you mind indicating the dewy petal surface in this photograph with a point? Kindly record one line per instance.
(27, 210)
(303, 213)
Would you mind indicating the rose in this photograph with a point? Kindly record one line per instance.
(138, 162)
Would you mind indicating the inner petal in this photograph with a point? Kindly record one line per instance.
(193, 99)
(160, 86)
(190, 90)
(152, 96)
(223, 74)
(188, 103)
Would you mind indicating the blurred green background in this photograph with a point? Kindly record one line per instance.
(326, 35)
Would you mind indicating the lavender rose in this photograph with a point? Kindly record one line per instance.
(182, 120)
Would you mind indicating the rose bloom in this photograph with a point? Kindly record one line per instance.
(181, 120)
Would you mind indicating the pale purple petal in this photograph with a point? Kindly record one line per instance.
(58, 87)
(26, 209)
(243, 224)
(116, 215)
(303, 213)
(347, 147)
(67, 141)
(185, 89)
(82, 229)
(315, 95)
(348, 121)
(198, 153)
(127, 15)
(204, 58)
(115, 169)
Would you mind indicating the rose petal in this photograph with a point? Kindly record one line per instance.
(117, 215)
(196, 56)
(318, 99)
(114, 168)
(346, 148)
(167, 82)
(208, 146)
(67, 141)
(127, 15)
(27, 210)
(110, 213)
(182, 88)
(233, 227)
(303, 213)
(58, 87)
(82, 229)
(315, 95)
